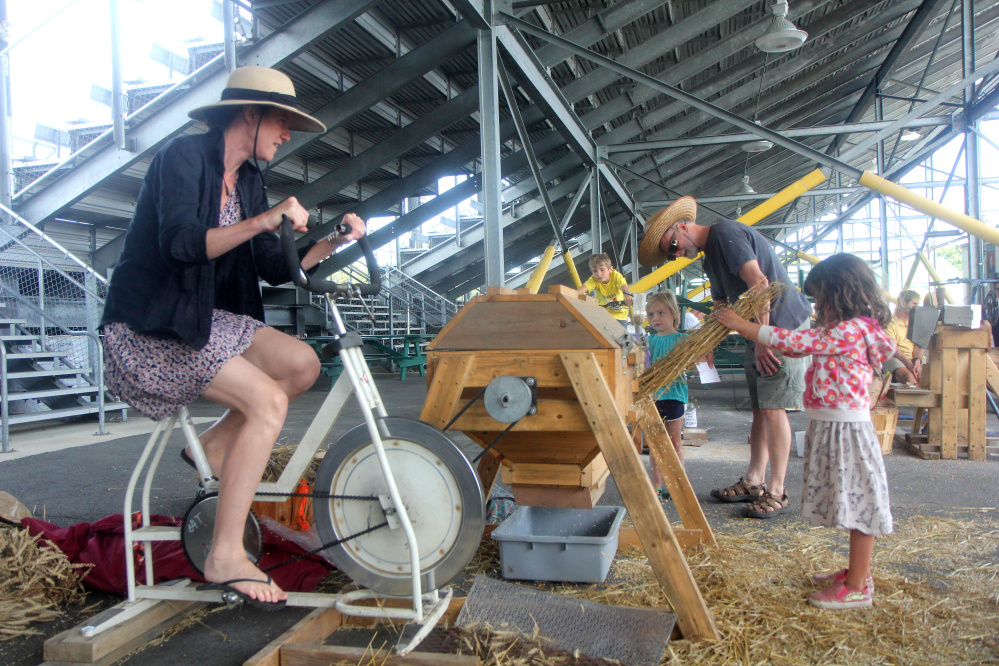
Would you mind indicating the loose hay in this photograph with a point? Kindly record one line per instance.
(937, 599)
(34, 581)
(280, 456)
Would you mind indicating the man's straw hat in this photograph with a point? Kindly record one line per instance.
(683, 209)
(266, 87)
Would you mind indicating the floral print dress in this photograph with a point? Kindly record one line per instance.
(845, 484)
(159, 375)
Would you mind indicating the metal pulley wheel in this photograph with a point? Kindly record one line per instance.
(990, 307)
(440, 491)
(509, 399)
(199, 526)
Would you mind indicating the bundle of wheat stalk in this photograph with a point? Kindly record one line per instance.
(280, 457)
(34, 581)
(699, 342)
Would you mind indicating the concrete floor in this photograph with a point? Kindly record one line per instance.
(68, 475)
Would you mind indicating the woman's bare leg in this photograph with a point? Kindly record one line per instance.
(288, 361)
(262, 404)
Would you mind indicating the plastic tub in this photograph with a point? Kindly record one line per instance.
(567, 545)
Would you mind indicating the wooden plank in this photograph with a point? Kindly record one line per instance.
(992, 374)
(523, 323)
(544, 474)
(565, 497)
(519, 298)
(109, 646)
(694, 436)
(958, 337)
(545, 367)
(917, 420)
(296, 654)
(976, 404)
(487, 469)
(313, 628)
(498, 291)
(596, 319)
(455, 321)
(910, 398)
(552, 416)
(564, 290)
(934, 382)
(664, 553)
(445, 389)
(684, 499)
(628, 538)
(541, 447)
(949, 390)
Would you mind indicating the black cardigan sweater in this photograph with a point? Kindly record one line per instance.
(164, 284)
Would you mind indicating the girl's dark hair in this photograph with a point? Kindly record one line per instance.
(844, 287)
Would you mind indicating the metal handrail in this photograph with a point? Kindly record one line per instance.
(97, 376)
(51, 265)
(41, 234)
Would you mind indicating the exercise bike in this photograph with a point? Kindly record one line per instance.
(398, 507)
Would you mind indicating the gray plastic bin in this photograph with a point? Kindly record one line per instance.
(570, 545)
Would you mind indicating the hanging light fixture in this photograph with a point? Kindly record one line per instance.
(782, 35)
(758, 146)
(911, 135)
(745, 188)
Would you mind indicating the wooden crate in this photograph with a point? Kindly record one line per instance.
(885, 420)
(293, 512)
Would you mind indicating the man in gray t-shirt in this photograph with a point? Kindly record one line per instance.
(738, 258)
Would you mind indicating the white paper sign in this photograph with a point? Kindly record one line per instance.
(708, 373)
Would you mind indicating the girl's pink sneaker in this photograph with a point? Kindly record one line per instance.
(835, 577)
(837, 597)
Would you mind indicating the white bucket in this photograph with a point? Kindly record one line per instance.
(799, 441)
(690, 418)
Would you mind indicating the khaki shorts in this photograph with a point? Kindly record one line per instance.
(782, 390)
(891, 365)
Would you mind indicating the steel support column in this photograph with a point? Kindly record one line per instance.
(117, 88)
(882, 204)
(491, 167)
(596, 241)
(972, 188)
(229, 34)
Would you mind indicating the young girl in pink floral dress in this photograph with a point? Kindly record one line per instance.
(844, 478)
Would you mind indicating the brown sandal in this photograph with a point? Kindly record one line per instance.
(768, 505)
(740, 491)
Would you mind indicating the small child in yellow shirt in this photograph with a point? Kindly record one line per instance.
(610, 287)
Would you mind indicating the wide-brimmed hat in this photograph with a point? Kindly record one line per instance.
(266, 87)
(683, 209)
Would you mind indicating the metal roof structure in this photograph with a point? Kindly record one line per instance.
(650, 99)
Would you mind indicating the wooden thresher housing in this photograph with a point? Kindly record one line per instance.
(550, 458)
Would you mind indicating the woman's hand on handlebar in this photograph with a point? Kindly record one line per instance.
(296, 213)
(357, 228)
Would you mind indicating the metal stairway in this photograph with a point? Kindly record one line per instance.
(51, 360)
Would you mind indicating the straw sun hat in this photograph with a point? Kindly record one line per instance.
(266, 87)
(683, 209)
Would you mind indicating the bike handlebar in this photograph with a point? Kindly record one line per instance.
(302, 279)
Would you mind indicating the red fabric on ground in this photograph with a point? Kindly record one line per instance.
(103, 545)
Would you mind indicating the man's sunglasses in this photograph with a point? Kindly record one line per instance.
(673, 247)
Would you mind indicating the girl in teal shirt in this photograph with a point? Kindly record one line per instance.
(671, 401)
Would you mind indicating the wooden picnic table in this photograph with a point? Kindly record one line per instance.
(409, 355)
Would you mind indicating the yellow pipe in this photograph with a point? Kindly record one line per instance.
(933, 273)
(567, 257)
(810, 258)
(534, 283)
(929, 207)
(774, 203)
(695, 292)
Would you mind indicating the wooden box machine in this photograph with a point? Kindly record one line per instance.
(506, 340)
